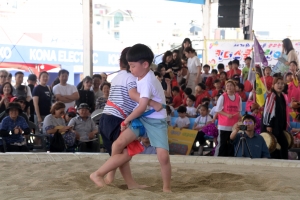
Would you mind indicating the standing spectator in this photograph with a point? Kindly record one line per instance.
(289, 51)
(275, 117)
(186, 43)
(210, 80)
(9, 77)
(176, 62)
(235, 69)
(101, 101)
(31, 84)
(104, 77)
(221, 68)
(97, 81)
(217, 86)
(267, 79)
(239, 88)
(3, 77)
(162, 70)
(6, 92)
(42, 99)
(65, 92)
(166, 63)
(229, 66)
(194, 68)
(223, 79)
(228, 108)
(206, 74)
(86, 95)
(245, 70)
(21, 90)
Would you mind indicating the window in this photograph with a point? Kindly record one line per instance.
(117, 19)
(117, 35)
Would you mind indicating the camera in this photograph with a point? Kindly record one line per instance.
(243, 127)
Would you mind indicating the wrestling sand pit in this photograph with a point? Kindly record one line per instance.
(66, 176)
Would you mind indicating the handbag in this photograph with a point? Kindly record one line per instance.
(57, 143)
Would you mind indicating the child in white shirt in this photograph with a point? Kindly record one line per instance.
(182, 121)
(191, 111)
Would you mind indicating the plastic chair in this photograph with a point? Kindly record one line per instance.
(192, 121)
(243, 106)
(176, 113)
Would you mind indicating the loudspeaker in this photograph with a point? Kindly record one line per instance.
(229, 13)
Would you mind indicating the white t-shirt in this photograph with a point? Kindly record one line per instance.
(65, 90)
(213, 111)
(201, 121)
(150, 87)
(181, 122)
(193, 64)
(191, 111)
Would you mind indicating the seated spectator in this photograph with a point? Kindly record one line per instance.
(55, 123)
(177, 100)
(223, 79)
(6, 94)
(256, 143)
(206, 74)
(22, 102)
(190, 109)
(70, 114)
(239, 88)
(221, 68)
(182, 121)
(235, 69)
(182, 88)
(210, 80)
(85, 94)
(213, 112)
(217, 86)
(86, 129)
(12, 129)
(101, 101)
(236, 79)
(200, 93)
(148, 149)
(187, 92)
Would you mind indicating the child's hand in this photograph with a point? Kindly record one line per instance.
(123, 126)
(157, 107)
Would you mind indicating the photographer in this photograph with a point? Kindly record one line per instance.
(256, 143)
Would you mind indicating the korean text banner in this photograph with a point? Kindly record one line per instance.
(223, 51)
(181, 141)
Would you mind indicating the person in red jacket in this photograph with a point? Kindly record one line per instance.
(217, 85)
(268, 78)
(235, 69)
(239, 89)
(177, 100)
(200, 93)
(210, 80)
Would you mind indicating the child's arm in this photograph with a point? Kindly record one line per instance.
(135, 96)
(143, 103)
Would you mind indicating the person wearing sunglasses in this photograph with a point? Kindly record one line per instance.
(256, 143)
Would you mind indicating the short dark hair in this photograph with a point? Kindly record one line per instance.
(97, 76)
(175, 88)
(9, 75)
(205, 99)
(181, 109)
(230, 63)
(217, 81)
(123, 61)
(189, 49)
(248, 58)
(236, 62)
(188, 91)
(11, 88)
(241, 86)
(206, 66)
(221, 66)
(56, 106)
(202, 85)
(43, 72)
(192, 97)
(182, 87)
(156, 73)
(19, 72)
(104, 84)
(214, 71)
(140, 53)
(247, 116)
(63, 71)
(224, 74)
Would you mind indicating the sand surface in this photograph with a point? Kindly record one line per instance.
(70, 180)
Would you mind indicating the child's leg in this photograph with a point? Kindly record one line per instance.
(117, 159)
(165, 166)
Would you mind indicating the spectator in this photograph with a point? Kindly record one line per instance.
(235, 69)
(177, 100)
(194, 68)
(206, 74)
(223, 79)
(162, 70)
(54, 83)
(16, 125)
(85, 127)
(267, 79)
(23, 103)
(289, 51)
(229, 106)
(9, 78)
(229, 66)
(97, 79)
(293, 91)
(86, 95)
(221, 68)
(42, 99)
(217, 86)
(6, 92)
(187, 92)
(256, 143)
(186, 43)
(101, 101)
(70, 114)
(190, 109)
(239, 89)
(176, 63)
(31, 81)
(148, 149)
(245, 70)
(182, 121)
(200, 93)
(213, 112)
(104, 77)
(21, 90)
(3, 77)
(166, 63)
(210, 80)
(65, 92)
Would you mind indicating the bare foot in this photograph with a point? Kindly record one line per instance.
(98, 180)
(108, 180)
(137, 186)
(167, 190)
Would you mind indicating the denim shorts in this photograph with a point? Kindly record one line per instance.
(156, 130)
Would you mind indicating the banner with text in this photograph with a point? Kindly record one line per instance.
(181, 141)
(223, 51)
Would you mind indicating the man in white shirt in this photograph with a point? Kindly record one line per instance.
(65, 92)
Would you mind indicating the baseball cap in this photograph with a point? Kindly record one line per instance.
(83, 105)
(71, 110)
(32, 77)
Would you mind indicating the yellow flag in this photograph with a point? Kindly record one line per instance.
(260, 91)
